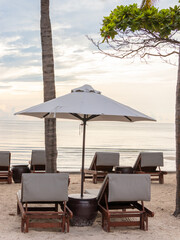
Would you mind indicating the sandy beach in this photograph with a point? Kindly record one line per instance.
(162, 226)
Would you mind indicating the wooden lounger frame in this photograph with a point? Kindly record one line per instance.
(29, 213)
(115, 214)
(156, 175)
(6, 173)
(37, 168)
(97, 173)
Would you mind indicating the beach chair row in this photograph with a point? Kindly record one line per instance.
(37, 164)
(121, 196)
(120, 201)
(108, 162)
(102, 163)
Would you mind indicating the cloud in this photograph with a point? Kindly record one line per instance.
(4, 87)
(16, 74)
(7, 47)
(75, 61)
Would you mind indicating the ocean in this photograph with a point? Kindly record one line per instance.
(20, 137)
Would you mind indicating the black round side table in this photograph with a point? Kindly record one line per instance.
(84, 209)
(124, 169)
(17, 171)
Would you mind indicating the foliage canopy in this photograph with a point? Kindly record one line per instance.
(162, 23)
(130, 30)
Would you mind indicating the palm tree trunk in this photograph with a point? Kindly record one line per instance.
(49, 85)
(177, 210)
(149, 3)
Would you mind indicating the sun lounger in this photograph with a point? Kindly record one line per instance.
(150, 162)
(121, 201)
(5, 172)
(102, 163)
(38, 161)
(42, 201)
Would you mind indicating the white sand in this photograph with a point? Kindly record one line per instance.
(162, 226)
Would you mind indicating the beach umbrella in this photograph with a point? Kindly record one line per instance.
(85, 104)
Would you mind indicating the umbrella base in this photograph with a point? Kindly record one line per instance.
(84, 209)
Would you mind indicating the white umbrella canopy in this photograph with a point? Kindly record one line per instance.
(85, 104)
(85, 101)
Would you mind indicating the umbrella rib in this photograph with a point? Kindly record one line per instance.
(85, 118)
(128, 118)
(77, 116)
(45, 115)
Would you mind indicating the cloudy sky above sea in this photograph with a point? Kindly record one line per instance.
(149, 88)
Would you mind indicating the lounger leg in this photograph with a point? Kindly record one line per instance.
(27, 224)
(63, 223)
(146, 220)
(161, 179)
(22, 224)
(18, 209)
(56, 207)
(105, 223)
(142, 221)
(102, 221)
(94, 178)
(9, 178)
(67, 224)
(108, 224)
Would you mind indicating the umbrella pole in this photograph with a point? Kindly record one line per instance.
(83, 156)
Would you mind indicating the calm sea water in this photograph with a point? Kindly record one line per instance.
(20, 137)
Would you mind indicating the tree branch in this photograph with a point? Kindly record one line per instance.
(142, 43)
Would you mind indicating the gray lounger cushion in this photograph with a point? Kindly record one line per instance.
(38, 157)
(46, 187)
(107, 159)
(149, 159)
(4, 158)
(129, 187)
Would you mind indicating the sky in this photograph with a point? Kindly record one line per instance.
(149, 88)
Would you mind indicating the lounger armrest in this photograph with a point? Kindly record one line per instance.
(149, 212)
(139, 172)
(90, 171)
(160, 172)
(69, 212)
(20, 205)
(103, 210)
